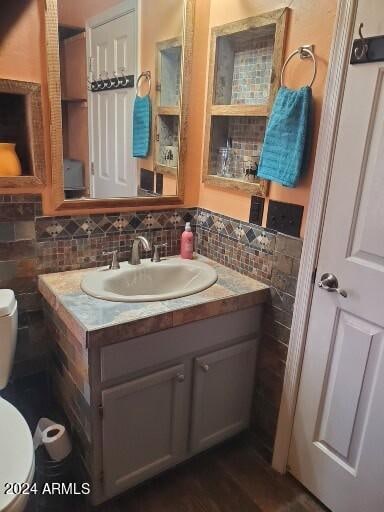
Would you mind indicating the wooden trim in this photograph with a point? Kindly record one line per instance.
(168, 111)
(165, 169)
(34, 120)
(54, 92)
(279, 19)
(338, 66)
(257, 188)
(240, 110)
(186, 79)
(20, 181)
(118, 202)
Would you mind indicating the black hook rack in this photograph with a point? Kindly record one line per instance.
(110, 84)
(367, 49)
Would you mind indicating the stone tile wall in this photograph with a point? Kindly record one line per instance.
(31, 244)
(252, 70)
(274, 259)
(18, 271)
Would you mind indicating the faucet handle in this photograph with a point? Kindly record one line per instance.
(156, 255)
(115, 265)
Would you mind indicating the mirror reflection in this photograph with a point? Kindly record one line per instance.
(121, 71)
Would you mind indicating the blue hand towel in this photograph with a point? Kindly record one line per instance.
(141, 126)
(287, 137)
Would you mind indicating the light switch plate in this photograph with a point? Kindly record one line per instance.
(257, 210)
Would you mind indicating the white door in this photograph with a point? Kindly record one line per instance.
(337, 448)
(112, 46)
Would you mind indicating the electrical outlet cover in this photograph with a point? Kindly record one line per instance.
(285, 217)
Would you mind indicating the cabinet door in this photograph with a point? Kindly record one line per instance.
(145, 426)
(222, 394)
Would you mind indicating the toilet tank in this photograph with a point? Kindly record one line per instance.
(8, 334)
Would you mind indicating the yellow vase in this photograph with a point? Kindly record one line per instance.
(9, 161)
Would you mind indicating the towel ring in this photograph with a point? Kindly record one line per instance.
(147, 76)
(304, 52)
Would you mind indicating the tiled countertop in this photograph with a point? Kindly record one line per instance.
(93, 320)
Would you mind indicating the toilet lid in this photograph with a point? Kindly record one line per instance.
(16, 450)
(7, 302)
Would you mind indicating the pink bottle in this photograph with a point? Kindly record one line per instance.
(187, 243)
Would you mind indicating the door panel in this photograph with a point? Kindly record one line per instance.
(366, 245)
(113, 49)
(145, 427)
(222, 394)
(337, 448)
(348, 379)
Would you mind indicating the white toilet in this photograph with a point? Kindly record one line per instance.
(17, 458)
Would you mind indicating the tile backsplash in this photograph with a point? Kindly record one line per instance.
(274, 259)
(31, 244)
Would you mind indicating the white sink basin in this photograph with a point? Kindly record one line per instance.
(149, 281)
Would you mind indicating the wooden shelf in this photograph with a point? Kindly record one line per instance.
(73, 100)
(240, 110)
(165, 169)
(168, 111)
(256, 188)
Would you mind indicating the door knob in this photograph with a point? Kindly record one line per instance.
(330, 283)
(204, 367)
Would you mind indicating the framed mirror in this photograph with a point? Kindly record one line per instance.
(118, 82)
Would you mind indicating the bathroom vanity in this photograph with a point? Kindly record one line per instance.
(148, 385)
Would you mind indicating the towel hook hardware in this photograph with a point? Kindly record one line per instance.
(147, 76)
(361, 49)
(104, 82)
(304, 52)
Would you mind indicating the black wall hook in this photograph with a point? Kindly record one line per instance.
(110, 84)
(367, 49)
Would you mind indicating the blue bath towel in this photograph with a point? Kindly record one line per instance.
(141, 126)
(287, 138)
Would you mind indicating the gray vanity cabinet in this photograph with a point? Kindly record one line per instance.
(168, 395)
(222, 394)
(145, 427)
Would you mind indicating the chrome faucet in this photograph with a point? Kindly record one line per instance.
(135, 256)
(115, 265)
(156, 258)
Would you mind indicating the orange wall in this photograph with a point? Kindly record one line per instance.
(310, 21)
(20, 35)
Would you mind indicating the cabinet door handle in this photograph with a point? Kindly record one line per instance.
(180, 377)
(204, 367)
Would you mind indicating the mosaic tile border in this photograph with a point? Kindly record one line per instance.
(257, 237)
(76, 227)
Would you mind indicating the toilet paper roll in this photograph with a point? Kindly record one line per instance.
(54, 437)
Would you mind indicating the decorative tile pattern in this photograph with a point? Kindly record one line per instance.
(71, 228)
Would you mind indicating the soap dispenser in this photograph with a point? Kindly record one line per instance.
(187, 242)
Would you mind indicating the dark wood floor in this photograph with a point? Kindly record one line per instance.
(230, 478)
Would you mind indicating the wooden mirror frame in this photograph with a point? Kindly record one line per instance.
(61, 204)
